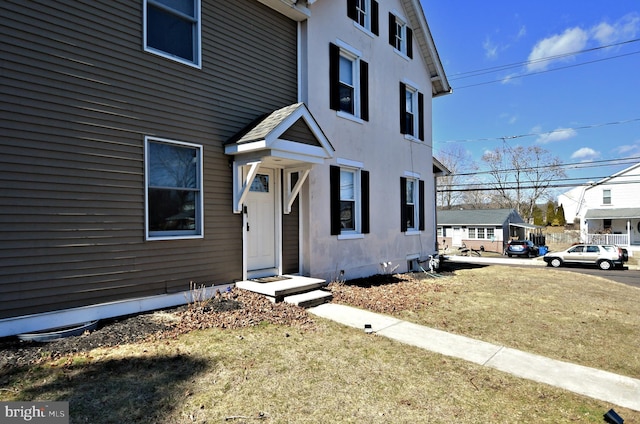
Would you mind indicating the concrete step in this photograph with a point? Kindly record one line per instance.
(309, 299)
(286, 286)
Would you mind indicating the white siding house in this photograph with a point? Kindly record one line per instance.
(368, 74)
(608, 211)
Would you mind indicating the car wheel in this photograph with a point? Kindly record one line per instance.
(555, 262)
(509, 254)
(605, 265)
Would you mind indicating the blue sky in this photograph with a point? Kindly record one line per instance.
(582, 113)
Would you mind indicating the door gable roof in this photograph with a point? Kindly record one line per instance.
(289, 131)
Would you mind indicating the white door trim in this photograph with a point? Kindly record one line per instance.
(277, 269)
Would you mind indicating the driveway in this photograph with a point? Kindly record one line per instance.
(629, 275)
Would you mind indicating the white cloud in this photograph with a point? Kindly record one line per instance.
(522, 32)
(490, 48)
(559, 47)
(571, 40)
(585, 154)
(558, 134)
(623, 29)
(509, 118)
(629, 150)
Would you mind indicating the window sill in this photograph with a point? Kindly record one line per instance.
(191, 64)
(412, 233)
(350, 117)
(412, 138)
(351, 236)
(176, 237)
(364, 29)
(402, 54)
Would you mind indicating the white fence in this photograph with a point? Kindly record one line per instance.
(618, 239)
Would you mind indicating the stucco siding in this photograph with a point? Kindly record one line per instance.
(376, 143)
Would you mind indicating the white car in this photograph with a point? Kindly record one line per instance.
(604, 256)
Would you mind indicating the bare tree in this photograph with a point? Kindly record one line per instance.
(458, 161)
(521, 176)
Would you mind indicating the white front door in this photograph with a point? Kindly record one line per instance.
(456, 238)
(261, 225)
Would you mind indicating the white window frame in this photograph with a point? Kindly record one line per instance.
(400, 35)
(363, 13)
(411, 89)
(197, 36)
(606, 196)
(415, 201)
(198, 232)
(353, 55)
(471, 232)
(492, 231)
(354, 167)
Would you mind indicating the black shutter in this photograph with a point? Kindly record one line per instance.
(421, 212)
(352, 13)
(334, 76)
(375, 27)
(410, 43)
(421, 116)
(392, 29)
(403, 109)
(334, 198)
(403, 203)
(364, 90)
(364, 197)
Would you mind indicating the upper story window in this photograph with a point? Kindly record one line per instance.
(365, 14)
(606, 196)
(411, 204)
(411, 112)
(172, 29)
(349, 192)
(400, 35)
(173, 175)
(348, 82)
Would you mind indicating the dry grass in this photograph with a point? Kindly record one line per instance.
(559, 314)
(325, 372)
(275, 374)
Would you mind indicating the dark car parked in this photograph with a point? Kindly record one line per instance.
(521, 248)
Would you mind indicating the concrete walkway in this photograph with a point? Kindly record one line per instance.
(609, 387)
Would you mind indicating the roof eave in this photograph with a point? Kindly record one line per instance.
(439, 82)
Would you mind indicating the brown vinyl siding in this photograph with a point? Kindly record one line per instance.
(78, 96)
(291, 236)
(301, 133)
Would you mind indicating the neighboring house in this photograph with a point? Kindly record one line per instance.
(489, 229)
(251, 138)
(608, 211)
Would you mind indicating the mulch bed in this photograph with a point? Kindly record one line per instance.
(235, 309)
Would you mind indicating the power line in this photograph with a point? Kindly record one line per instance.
(546, 71)
(576, 165)
(564, 185)
(470, 74)
(583, 127)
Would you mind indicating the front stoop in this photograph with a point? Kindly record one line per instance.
(302, 291)
(310, 299)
